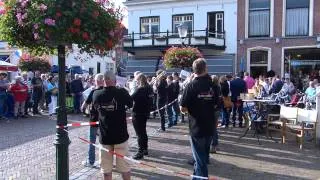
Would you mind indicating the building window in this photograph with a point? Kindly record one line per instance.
(258, 62)
(98, 67)
(259, 18)
(150, 25)
(110, 67)
(297, 17)
(182, 19)
(215, 24)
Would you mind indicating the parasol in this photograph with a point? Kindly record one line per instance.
(5, 66)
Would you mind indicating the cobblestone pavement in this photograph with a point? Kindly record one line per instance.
(27, 152)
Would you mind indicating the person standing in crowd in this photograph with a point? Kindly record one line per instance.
(4, 85)
(276, 85)
(53, 94)
(171, 97)
(227, 104)
(94, 116)
(111, 103)
(37, 89)
(266, 85)
(237, 86)
(200, 100)
(288, 87)
(133, 83)
(143, 99)
(160, 86)
(175, 105)
(250, 82)
(76, 88)
(258, 89)
(310, 91)
(215, 137)
(69, 100)
(20, 95)
(27, 82)
(42, 103)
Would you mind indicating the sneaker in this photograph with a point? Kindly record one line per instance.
(87, 164)
(138, 156)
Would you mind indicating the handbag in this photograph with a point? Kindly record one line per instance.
(227, 102)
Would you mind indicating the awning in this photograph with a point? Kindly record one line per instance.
(5, 66)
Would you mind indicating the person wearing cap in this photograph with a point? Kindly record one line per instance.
(4, 84)
(20, 94)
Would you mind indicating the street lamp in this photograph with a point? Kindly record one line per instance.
(183, 32)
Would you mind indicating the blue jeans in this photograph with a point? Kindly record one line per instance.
(200, 150)
(76, 102)
(3, 100)
(176, 111)
(92, 136)
(170, 115)
(225, 116)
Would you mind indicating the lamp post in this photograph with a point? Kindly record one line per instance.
(183, 32)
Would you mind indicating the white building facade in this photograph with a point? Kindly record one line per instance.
(152, 28)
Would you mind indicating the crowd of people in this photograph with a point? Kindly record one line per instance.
(202, 98)
(36, 94)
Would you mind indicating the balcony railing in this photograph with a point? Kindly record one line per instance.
(163, 39)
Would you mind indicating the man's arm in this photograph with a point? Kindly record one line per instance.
(127, 98)
(185, 100)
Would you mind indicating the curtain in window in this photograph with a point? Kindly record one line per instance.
(297, 22)
(259, 22)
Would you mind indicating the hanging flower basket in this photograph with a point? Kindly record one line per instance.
(181, 57)
(41, 25)
(34, 63)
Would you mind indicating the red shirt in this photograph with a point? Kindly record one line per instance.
(19, 91)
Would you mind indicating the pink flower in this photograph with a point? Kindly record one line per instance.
(50, 22)
(36, 26)
(24, 16)
(111, 33)
(35, 36)
(2, 11)
(43, 7)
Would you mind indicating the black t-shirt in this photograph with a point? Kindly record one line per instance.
(94, 115)
(162, 91)
(171, 92)
(200, 97)
(143, 100)
(37, 84)
(111, 104)
(176, 89)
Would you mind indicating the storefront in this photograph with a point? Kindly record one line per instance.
(302, 64)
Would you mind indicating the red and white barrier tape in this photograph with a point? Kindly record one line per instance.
(139, 162)
(84, 124)
(164, 106)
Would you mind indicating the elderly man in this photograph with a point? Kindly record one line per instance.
(200, 99)
(111, 103)
(76, 88)
(98, 85)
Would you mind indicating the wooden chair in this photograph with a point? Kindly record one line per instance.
(278, 122)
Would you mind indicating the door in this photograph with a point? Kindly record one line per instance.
(215, 24)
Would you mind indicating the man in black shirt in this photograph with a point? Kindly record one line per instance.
(37, 90)
(200, 99)
(111, 103)
(171, 97)
(76, 88)
(161, 88)
(99, 83)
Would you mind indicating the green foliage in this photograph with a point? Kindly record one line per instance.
(41, 25)
(181, 57)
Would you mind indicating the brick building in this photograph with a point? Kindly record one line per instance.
(278, 35)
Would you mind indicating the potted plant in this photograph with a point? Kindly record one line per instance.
(181, 57)
(34, 63)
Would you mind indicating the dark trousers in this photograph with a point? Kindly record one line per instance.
(36, 97)
(170, 115)
(27, 105)
(76, 103)
(139, 122)
(200, 150)
(225, 116)
(161, 104)
(176, 110)
(237, 108)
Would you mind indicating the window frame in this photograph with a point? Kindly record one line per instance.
(286, 21)
(259, 9)
(176, 15)
(150, 23)
(215, 14)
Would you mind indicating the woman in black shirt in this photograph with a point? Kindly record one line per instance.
(142, 99)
